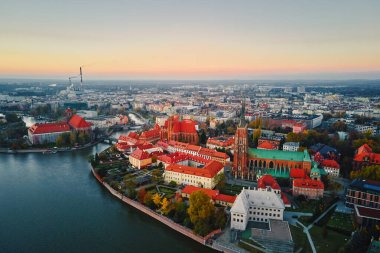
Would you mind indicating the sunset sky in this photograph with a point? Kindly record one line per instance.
(178, 39)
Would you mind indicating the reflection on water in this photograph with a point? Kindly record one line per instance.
(51, 203)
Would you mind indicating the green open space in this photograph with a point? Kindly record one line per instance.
(300, 239)
(341, 222)
(329, 241)
(230, 189)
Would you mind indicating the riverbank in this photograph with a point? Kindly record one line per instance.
(168, 222)
(44, 150)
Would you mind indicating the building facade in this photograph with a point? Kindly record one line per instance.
(312, 189)
(194, 171)
(255, 205)
(43, 133)
(291, 146)
(365, 157)
(241, 153)
(179, 130)
(331, 167)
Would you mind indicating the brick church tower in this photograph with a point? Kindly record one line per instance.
(240, 169)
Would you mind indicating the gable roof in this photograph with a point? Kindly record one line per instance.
(43, 128)
(78, 122)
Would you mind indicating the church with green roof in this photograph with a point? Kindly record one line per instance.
(277, 162)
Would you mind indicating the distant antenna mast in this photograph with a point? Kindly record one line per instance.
(81, 78)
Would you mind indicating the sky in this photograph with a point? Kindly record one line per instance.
(181, 39)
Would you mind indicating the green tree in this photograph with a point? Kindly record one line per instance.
(200, 209)
(172, 184)
(220, 181)
(73, 138)
(148, 201)
(12, 117)
(369, 172)
(220, 219)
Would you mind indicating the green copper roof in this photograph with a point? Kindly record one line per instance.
(279, 155)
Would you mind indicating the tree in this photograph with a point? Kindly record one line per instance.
(172, 184)
(201, 208)
(220, 181)
(201, 228)
(148, 201)
(141, 194)
(157, 199)
(12, 117)
(130, 189)
(219, 220)
(166, 206)
(230, 130)
(60, 141)
(339, 126)
(73, 138)
(203, 137)
(369, 172)
(256, 136)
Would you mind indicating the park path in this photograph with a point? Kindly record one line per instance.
(306, 229)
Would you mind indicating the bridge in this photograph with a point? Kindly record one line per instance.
(109, 140)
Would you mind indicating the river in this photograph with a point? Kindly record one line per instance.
(52, 203)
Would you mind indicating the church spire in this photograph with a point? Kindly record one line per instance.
(242, 114)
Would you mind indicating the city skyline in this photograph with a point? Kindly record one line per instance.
(191, 40)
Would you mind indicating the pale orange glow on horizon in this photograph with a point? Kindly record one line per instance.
(189, 40)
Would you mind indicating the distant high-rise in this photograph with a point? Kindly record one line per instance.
(301, 89)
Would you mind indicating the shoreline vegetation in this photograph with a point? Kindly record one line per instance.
(161, 218)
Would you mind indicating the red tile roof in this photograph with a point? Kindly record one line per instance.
(297, 173)
(267, 145)
(180, 157)
(198, 149)
(268, 180)
(153, 133)
(140, 154)
(308, 183)
(213, 194)
(122, 146)
(330, 163)
(209, 170)
(285, 199)
(43, 128)
(78, 122)
(225, 198)
(184, 126)
(189, 189)
(221, 141)
(365, 152)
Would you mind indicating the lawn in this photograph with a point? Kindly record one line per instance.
(299, 239)
(332, 243)
(231, 189)
(341, 221)
(305, 206)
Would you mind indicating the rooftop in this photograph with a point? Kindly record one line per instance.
(279, 155)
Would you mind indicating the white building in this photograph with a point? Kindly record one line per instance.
(291, 146)
(366, 128)
(256, 205)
